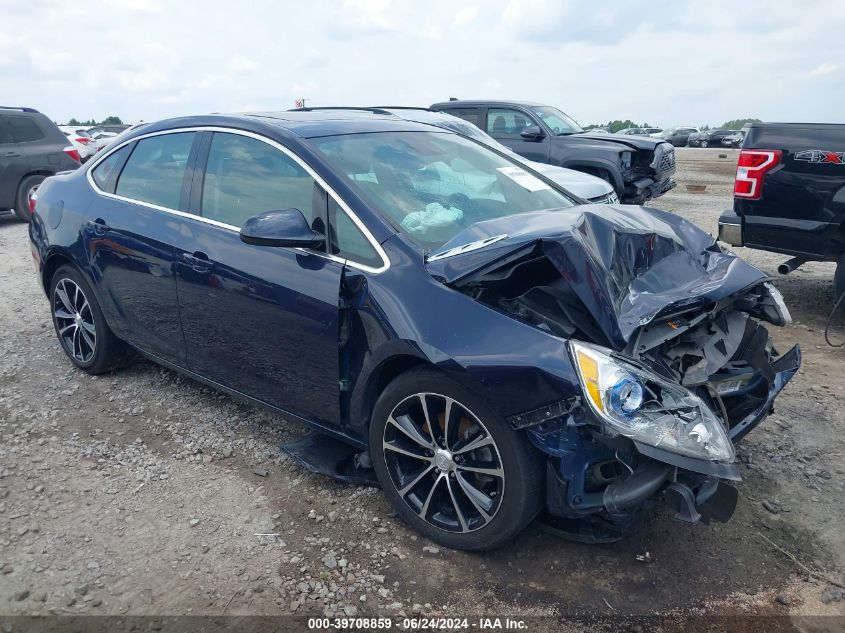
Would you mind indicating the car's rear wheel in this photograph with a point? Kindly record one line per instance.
(450, 465)
(82, 330)
(26, 189)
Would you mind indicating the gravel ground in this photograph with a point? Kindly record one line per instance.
(143, 493)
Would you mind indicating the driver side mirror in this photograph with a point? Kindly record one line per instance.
(533, 133)
(285, 227)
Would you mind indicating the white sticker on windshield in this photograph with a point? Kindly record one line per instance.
(523, 178)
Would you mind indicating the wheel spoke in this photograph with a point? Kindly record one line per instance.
(402, 451)
(77, 345)
(458, 512)
(60, 290)
(493, 472)
(76, 297)
(85, 306)
(427, 418)
(483, 504)
(62, 331)
(424, 510)
(63, 314)
(404, 424)
(482, 440)
(446, 424)
(87, 338)
(90, 327)
(425, 471)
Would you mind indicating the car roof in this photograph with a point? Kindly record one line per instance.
(478, 103)
(303, 123)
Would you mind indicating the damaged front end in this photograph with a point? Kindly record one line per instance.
(666, 337)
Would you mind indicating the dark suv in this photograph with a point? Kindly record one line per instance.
(638, 167)
(31, 148)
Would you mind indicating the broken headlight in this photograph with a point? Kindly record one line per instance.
(637, 403)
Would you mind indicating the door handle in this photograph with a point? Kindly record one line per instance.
(198, 261)
(99, 225)
(12, 155)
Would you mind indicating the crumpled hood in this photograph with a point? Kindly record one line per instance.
(627, 264)
(634, 141)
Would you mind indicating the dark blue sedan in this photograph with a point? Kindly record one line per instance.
(488, 349)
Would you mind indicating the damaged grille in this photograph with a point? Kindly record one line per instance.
(664, 158)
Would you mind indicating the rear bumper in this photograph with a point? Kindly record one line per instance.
(730, 229)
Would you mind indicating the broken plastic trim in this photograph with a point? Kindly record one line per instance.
(545, 413)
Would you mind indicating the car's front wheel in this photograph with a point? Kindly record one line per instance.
(705, 144)
(83, 333)
(450, 465)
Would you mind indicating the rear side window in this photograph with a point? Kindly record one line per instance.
(245, 176)
(467, 114)
(24, 129)
(156, 169)
(104, 173)
(348, 241)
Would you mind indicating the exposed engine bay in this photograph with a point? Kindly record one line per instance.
(668, 341)
(719, 346)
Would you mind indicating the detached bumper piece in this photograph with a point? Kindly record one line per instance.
(325, 455)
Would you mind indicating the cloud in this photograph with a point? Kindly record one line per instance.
(665, 63)
(825, 68)
(465, 16)
(242, 64)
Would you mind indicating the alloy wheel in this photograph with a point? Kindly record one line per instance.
(74, 320)
(443, 462)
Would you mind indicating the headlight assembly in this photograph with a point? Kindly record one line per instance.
(637, 403)
(626, 157)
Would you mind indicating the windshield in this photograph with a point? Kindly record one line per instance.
(559, 123)
(430, 186)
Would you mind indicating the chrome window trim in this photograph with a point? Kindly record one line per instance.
(352, 216)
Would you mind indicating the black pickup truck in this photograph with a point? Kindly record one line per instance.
(638, 167)
(789, 194)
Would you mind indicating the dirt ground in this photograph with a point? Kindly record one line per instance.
(144, 493)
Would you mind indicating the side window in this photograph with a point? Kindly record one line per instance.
(245, 176)
(5, 135)
(347, 240)
(104, 173)
(467, 114)
(156, 169)
(504, 123)
(24, 129)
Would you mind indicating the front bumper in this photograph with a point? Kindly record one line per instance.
(730, 229)
(645, 189)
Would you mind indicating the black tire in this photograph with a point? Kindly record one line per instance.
(107, 351)
(22, 197)
(839, 282)
(520, 484)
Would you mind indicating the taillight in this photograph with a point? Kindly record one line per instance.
(73, 153)
(83, 140)
(750, 170)
(33, 198)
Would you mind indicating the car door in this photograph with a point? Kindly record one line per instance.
(258, 319)
(12, 166)
(506, 125)
(130, 239)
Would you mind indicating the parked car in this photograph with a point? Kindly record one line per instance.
(640, 131)
(80, 139)
(465, 328)
(101, 138)
(585, 186)
(735, 139)
(111, 129)
(677, 136)
(31, 148)
(639, 168)
(789, 195)
(709, 138)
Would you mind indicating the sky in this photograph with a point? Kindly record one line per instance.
(678, 62)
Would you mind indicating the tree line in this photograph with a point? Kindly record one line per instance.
(109, 120)
(616, 125)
